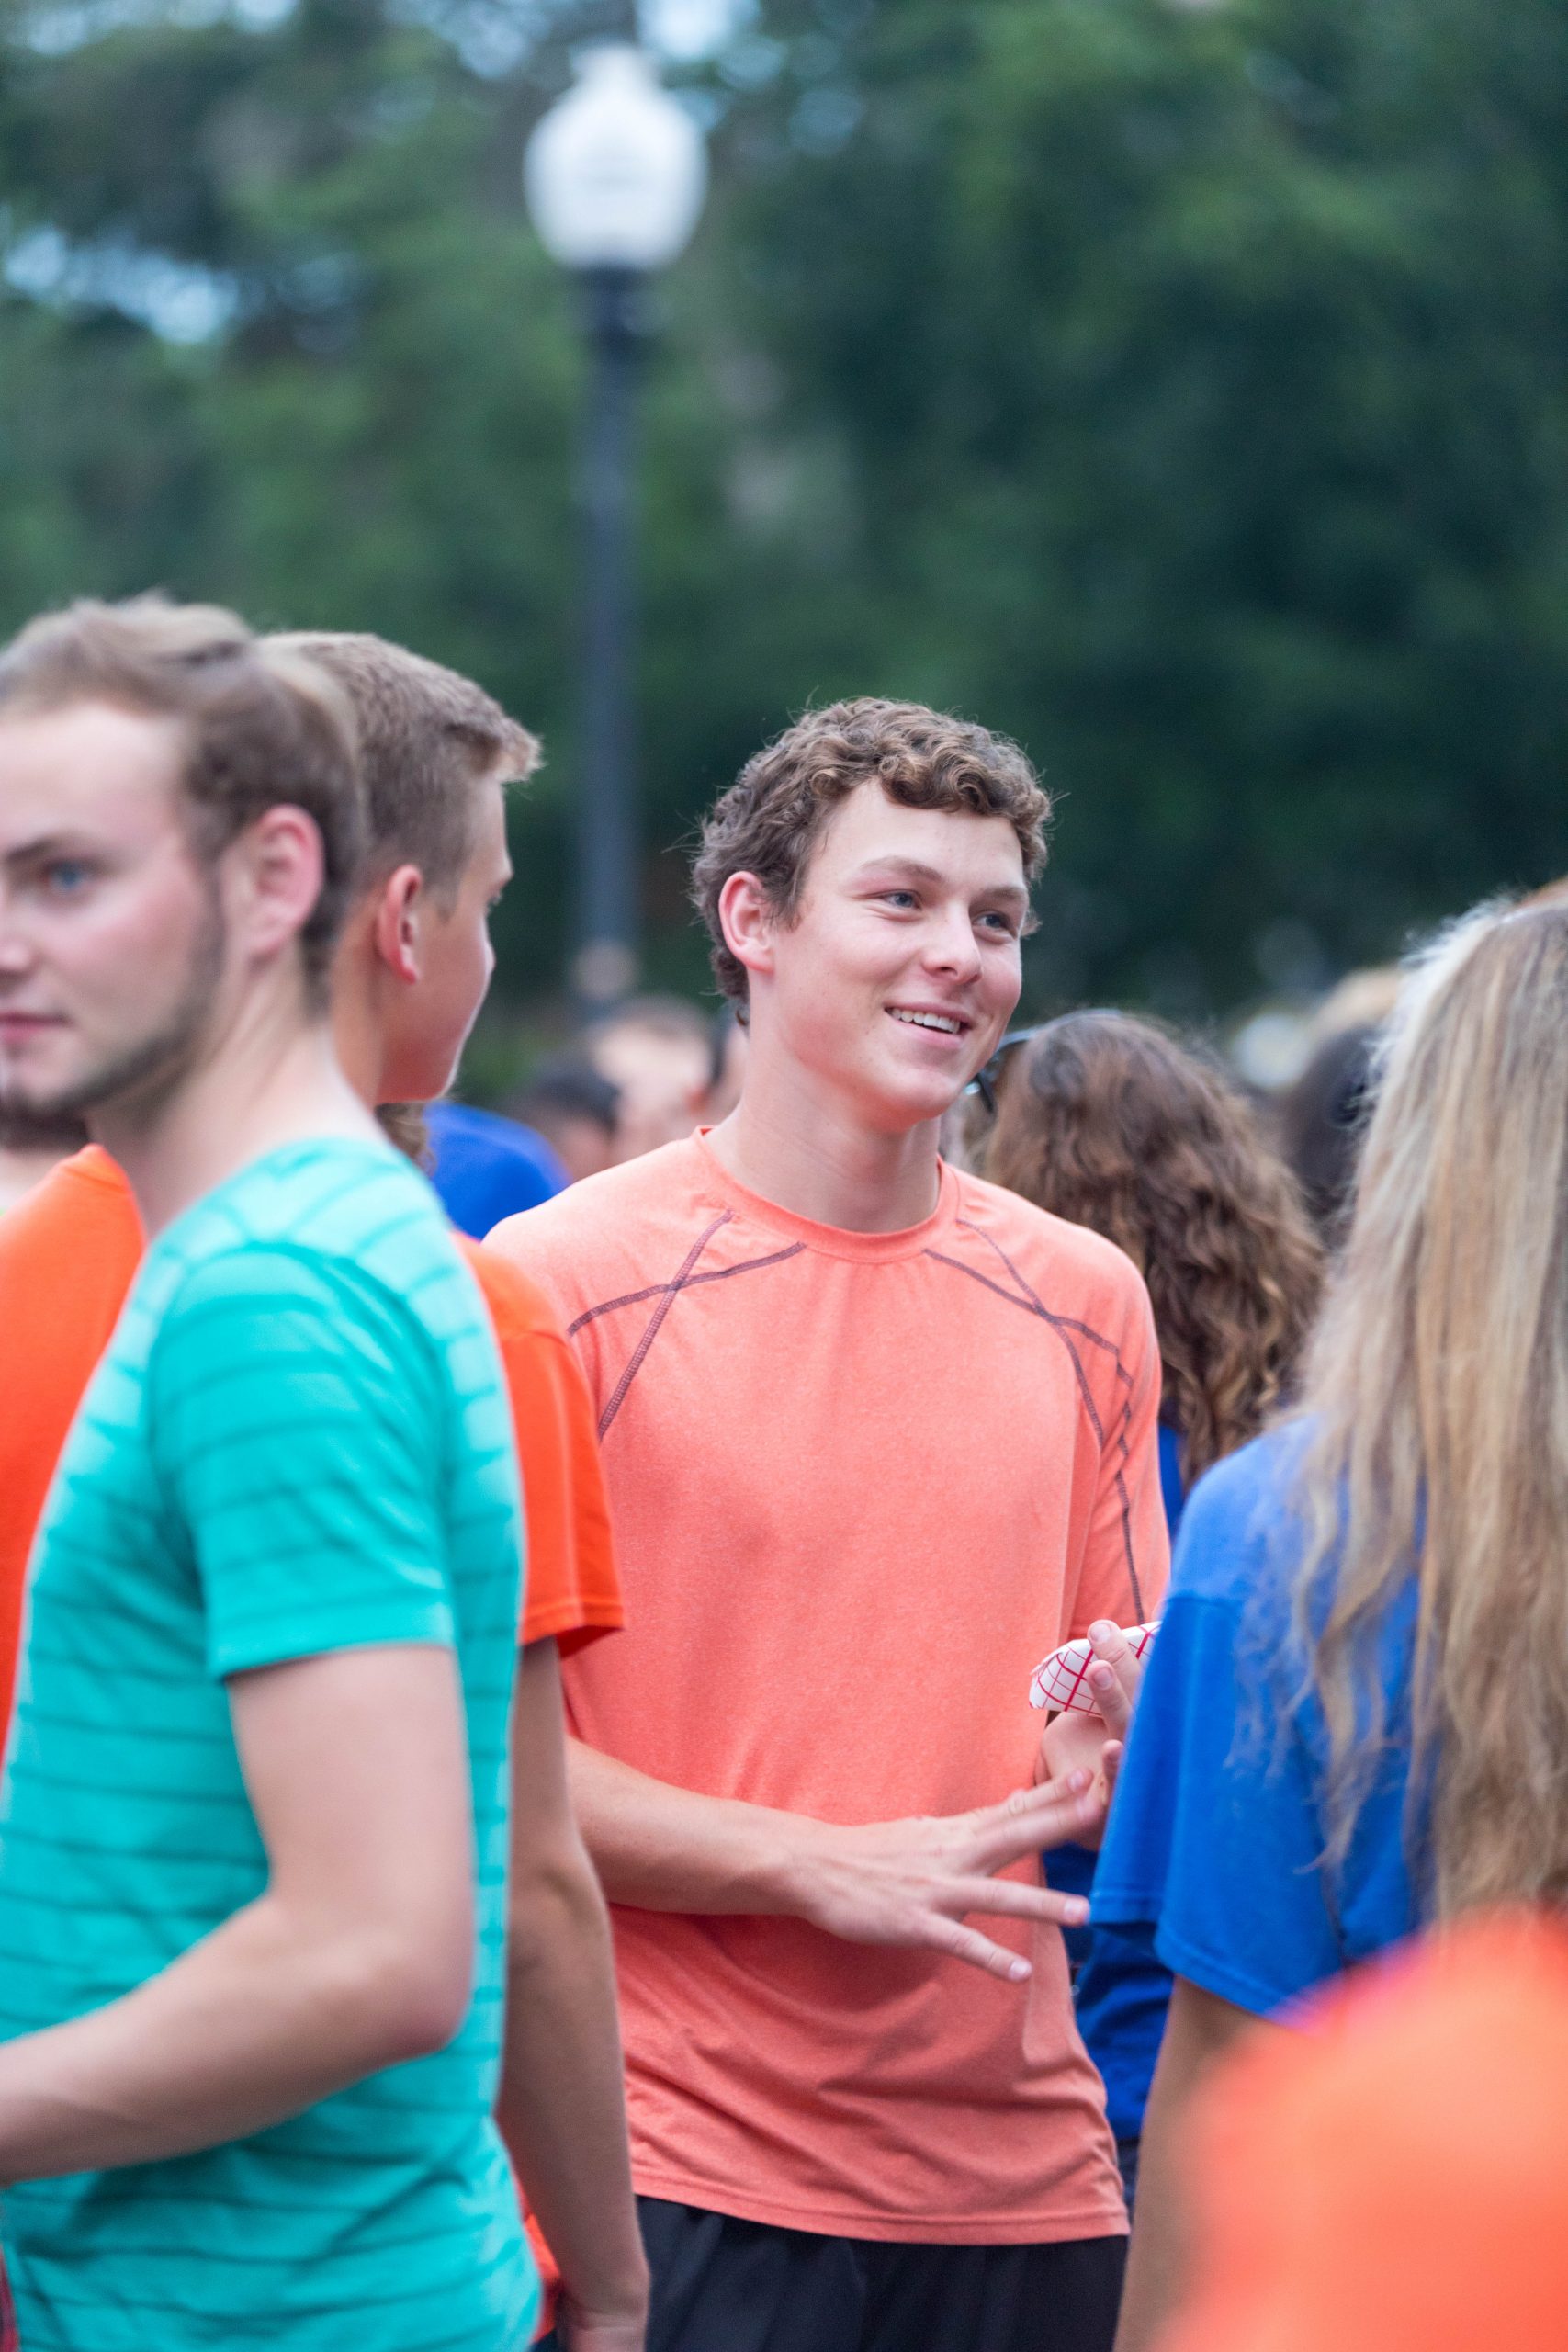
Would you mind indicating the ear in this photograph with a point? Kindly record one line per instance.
(281, 867)
(396, 923)
(749, 922)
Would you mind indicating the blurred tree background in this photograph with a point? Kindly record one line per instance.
(1182, 388)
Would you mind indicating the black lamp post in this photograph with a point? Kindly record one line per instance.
(616, 175)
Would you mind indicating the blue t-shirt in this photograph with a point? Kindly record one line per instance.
(1120, 1991)
(1172, 1484)
(300, 1442)
(1215, 1849)
(487, 1168)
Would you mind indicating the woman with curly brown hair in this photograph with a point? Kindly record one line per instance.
(1109, 1122)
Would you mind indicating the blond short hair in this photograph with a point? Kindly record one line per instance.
(428, 739)
(263, 726)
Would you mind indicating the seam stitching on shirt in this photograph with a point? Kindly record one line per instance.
(1031, 1304)
(671, 1291)
(659, 1290)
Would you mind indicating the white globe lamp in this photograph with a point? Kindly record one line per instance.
(615, 175)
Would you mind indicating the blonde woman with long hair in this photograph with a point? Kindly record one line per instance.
(1355, 1722)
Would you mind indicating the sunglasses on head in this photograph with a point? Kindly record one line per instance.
(984, 1083)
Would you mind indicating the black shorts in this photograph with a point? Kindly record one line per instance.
(720, 2285)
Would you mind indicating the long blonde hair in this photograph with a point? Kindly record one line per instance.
(1436, 1391)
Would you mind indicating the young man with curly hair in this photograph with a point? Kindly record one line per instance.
(876, 1436)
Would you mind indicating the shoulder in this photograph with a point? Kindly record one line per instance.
(1074, 1271)
(338, 1228)
(1235, 1518)
(1044, 1238)
(89, 1193)
(481, 1137)
(518, 1307)
(613, 1230)
(71, 1235)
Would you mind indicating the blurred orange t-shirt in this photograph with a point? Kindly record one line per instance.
(861, 1482)
(1387, 2173)
(68, 1256)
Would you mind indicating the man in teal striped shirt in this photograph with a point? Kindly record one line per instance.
(252, 1829)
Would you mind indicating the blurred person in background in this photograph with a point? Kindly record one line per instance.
(1355, 1712)
(1321, 1117)
(1415, 2119)
(406, 980)
(255, 1800)
(727, 1066)
(657, 1051)
(577, 1112)
(1111, 1122)
(876, 1436)
(485, 1167)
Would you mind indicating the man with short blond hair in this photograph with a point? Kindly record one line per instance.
(408, 975)
(254, 1829)
(878, 1435)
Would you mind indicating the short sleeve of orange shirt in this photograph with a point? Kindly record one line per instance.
(574, 1593)
(68, 1256)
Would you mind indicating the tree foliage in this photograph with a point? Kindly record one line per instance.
(1184, 389)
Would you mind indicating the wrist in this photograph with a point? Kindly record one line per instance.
(798, 1865)
(611, 2302)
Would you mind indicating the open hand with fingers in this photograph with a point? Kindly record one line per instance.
(1075, 1742)
(916, 1883)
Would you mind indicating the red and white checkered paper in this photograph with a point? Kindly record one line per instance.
(1062, 1679)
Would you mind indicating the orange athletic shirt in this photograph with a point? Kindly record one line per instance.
(861, 1484)
(68, 1255)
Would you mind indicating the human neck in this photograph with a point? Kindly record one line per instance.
(264, 1078)
(802, 1148)
(358, 1033)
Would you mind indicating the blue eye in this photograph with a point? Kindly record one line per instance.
(67, 877)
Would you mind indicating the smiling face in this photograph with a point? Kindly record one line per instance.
(895, 979)
(111, 934)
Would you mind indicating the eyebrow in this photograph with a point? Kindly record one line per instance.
(912, 869)
(47, 845)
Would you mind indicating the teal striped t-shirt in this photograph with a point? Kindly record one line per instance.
(299, 1442)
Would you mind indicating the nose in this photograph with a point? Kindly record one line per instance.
(17, 956)
(951, 946)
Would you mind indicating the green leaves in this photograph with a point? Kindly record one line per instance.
(1179, 387)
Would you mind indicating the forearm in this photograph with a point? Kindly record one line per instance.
(657, 1848)
(1200, 2029)
(563, 2106)
(918, 1883)
(250, 2027)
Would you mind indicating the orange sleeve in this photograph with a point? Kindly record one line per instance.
(68, 1257)
(1126, 1563)
(573, 1590)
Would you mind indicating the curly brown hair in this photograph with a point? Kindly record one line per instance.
(774, 813)
(1108, 1121)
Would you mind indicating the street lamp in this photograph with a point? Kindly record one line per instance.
(615, 176)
